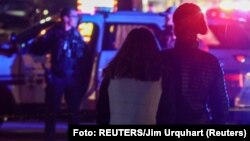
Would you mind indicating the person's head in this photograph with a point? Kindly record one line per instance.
(69, 17)
(189, 21)
(138, 58)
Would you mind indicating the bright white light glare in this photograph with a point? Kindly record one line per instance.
(45, 12)
(145, 2)
(242, 5)
(88, 6)
(203, 10)
(227, 5)
(43, 32)
(242, 19)
(42, 21)
(48, 19)
(103, 3)
(85, 6)
(145, 5)
(18, 13)
(248, 74)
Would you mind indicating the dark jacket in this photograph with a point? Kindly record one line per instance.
(69, 53)
(193, 88)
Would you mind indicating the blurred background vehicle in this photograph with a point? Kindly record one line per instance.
(229, 40)
(25, 11)
(16, 15)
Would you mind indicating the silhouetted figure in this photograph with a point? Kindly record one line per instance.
(67, 76)
(131, 87)
(193, 82)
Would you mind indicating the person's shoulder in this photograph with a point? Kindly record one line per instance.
(208, 55)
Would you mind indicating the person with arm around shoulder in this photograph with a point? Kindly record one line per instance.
(194, 90)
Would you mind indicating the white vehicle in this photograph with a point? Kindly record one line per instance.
(22, 75)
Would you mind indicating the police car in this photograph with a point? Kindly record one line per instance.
(229, 40)
(22, 75)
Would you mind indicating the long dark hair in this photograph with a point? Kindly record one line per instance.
(138, 58)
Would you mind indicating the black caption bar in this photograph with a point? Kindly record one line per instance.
(78, 132)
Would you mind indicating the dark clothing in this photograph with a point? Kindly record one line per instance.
(102, 107)
(68, 73)
(69, 54)
(193, 88)
(73, 91)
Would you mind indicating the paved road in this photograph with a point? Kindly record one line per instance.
(33, 130)
(31, 127)
(29, 131)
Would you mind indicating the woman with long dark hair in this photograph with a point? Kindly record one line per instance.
(131, 87)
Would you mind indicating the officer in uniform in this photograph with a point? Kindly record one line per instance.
(68, 73)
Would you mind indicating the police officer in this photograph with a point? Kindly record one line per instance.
(68, 73)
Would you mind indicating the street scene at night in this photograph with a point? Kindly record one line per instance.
(121, 62)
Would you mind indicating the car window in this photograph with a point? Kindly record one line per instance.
(115, 34)
(88, 31)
